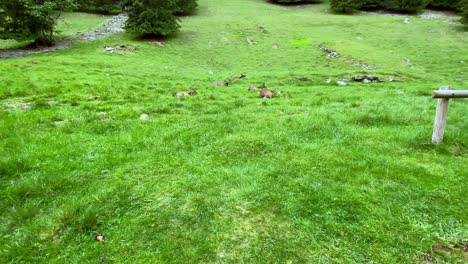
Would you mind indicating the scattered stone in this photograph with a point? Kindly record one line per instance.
(102, 259)
(113, 25)
(251, 41)
(144, 117)
(367, 79)
(341, 83)
(275, 46)
(330, 53)
(99, 238)
(430, 16)
(210, 73)
(120, 48)
(406, 21)
(328, 81)
(26, 107)
(408, 63)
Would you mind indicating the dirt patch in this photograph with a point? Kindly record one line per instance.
(121, 49)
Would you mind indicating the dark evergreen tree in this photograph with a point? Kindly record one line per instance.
(406, 6)
(100, 6)
(185, 7)
(445, 4)
(31, 19)
(464, 11)
(152, 17)
(345, 6)
(296, 1)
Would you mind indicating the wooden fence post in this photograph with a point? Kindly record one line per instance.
(440, 118)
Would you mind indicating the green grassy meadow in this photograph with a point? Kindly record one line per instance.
(320, 174)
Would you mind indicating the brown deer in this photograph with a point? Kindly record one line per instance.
(267, 94)
(252, 88)
(235, 78)
(221, 83)
(183, 94)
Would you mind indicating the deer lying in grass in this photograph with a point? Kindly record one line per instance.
(252, 88)
(235, 78)
(221, 83)
(267, 93)
(183, 94)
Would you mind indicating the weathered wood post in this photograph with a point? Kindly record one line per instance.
(440, 118)
(444, 94)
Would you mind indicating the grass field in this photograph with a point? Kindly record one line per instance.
(320, 174)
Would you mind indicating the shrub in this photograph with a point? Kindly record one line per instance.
(345, 6)
(372, 4)
(31, 19)
(100, 6)
(185, 7)
(296, 1)
(152, 17)
(406, 6)
(464, 11)
(445, 4)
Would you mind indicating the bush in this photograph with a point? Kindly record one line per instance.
(152, 17)
(372, 4)
(445, 4)
(185, 7)
(345, 6)
(296, 1)
(464, 11)
(100, 6)
(406, 6)
(31, 19)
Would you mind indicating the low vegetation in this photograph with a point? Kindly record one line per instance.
(136, 156)
(398, 6)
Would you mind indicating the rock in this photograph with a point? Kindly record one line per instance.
(330, 53)
(210, 73)
(367, 79)
(251, 41)
(144, 117)
(430, 16)
(25, 107)
(328, 80)
(406, 21)
(341, 83)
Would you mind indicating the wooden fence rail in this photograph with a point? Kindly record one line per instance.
(444, 94)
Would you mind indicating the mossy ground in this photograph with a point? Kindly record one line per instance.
(321, 174)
